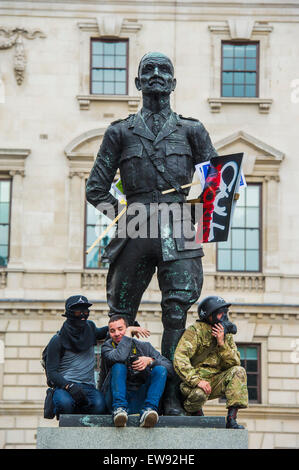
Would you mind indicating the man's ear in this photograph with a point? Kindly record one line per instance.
(173, 84)
(137, 83)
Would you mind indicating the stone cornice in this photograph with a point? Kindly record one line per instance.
(13, 160)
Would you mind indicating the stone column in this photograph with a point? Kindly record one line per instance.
(271, 234)
(75, 255)
(15, 266)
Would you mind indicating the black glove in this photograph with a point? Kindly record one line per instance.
(77, 394)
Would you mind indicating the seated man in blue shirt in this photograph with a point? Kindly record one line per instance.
(71, 361)
(135, 374)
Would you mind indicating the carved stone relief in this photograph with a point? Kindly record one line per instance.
(10, 37)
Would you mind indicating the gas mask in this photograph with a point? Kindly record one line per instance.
(228, 326)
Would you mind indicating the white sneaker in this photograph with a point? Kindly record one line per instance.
(120, 417)
(149, 419)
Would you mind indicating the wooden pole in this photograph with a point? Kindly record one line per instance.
(182, 187)
(106, 231)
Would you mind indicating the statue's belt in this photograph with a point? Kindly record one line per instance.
(155, 196)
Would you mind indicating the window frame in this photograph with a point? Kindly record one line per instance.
(260, 228)
(9, 218)
(241, 43)
(109, 40)
(259, 369)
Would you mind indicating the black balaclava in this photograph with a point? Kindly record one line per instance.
(77, 334)
(228, 326)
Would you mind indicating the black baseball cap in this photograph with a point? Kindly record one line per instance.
(76, 301)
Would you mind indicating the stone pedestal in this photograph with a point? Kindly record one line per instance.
(98, 432)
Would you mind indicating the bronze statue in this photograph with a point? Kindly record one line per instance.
(155, 150)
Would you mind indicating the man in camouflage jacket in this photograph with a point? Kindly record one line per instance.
(208, 363)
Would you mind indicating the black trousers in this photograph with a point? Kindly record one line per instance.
(180, 282)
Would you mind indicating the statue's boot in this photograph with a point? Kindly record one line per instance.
(231, 420)
(172, 405)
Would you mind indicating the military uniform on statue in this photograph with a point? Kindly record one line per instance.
(155, 150)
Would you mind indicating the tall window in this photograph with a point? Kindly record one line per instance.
(250, 360)
(5, 196)
(95, 224)
(242, 250)
(109, 67)
(239, 71)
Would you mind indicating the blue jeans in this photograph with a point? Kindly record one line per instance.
(148, 394)
(64, 403)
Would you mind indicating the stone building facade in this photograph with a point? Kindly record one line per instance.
(53, 114)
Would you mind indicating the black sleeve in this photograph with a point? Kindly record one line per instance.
(202, 147)
(104, 169)
(113, 355)
(101, 333)
(54, 354)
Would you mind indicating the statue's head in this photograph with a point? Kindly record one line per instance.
(155, 74)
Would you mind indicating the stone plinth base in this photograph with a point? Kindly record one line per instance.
(97, 432)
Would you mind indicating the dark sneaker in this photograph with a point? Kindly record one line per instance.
(149, 419)
(120, 417)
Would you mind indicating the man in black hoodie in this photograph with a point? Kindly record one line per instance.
(71, 361)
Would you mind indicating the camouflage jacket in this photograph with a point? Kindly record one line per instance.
(195, 340)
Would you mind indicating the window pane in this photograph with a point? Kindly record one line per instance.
(92, 259)
(241, 351)
(252, 260)
(120, 88)
(238, 260)
(97, 61)
(227, 77)
(250, 64)
(250, 91)
(91, 234)
(251, 353)
(224, 260)
(250, 78)
(252, 380)
(238, 238)
(252, 195)
(227, 90)
(252, 239)
(121, 48)
(241, 200)
(97, 75)
(3, 234)
(5, 191)
(239, 64)
(252, 394)
(97, 47)
(239, 51)
(4, 212)
(120, 75)
(228, 64)
(108, 75)
(239, 77)
(120, 61)
(239, 217)
(251, 365)
(109, 48)
(228, 50)
(251, 50)
(108, 88)
(252, 217)
(97, 87)
(92, 215)
(4, 252)
(238, 90)
(109, 61)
